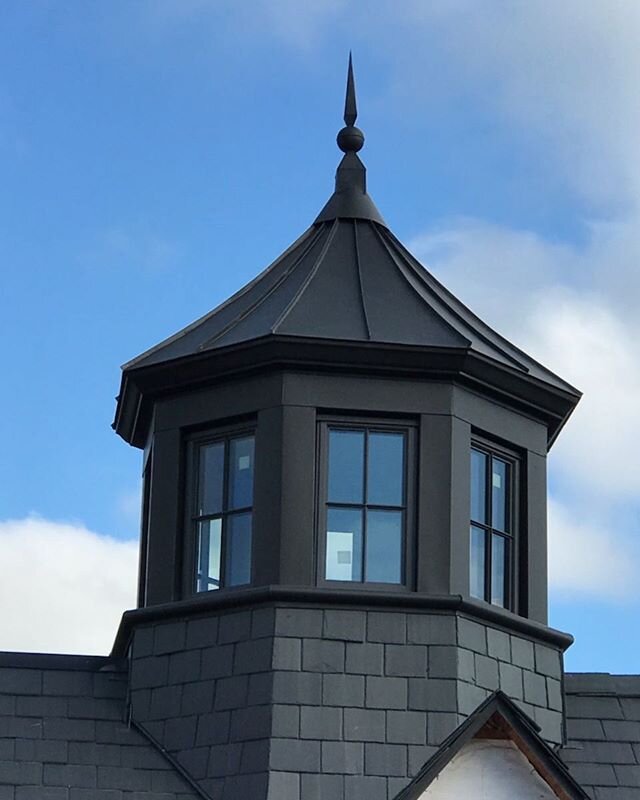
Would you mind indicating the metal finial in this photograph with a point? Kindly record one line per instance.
(350, 109)
(350, 139)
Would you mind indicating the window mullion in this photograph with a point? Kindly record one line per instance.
(222, 578)
(488, 548)
(365, 515)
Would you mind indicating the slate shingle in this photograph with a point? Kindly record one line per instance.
(63, 735)
(603, 730)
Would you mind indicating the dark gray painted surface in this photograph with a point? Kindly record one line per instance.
(64, 735)
(534, 545)
(334, 283)
(285, 417)
(163, 536)
(304, 696)
(603, 732)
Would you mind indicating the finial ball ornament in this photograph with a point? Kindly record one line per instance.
(350, 139)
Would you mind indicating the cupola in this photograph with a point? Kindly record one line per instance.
(339, 422)
(344, 537)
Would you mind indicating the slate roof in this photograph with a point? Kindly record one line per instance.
(64, 735)
(603, 731)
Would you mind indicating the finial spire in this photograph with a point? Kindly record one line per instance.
(350, 199)
(350, 109)
(350, 139)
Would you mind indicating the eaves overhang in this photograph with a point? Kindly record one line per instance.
(141, 386)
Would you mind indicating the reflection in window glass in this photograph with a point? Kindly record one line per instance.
(498, 588)
(241, 472)
(384, 547)
(477, 565)
(385, 484)
(344, 544)
(499, 489)
(223, 538)
(208, 555)
(478, 486)
(346, 466)
(211, 479)
(238, 570)
(365, 505)
(492, 508)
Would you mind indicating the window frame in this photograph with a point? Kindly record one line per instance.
(374, 424)
(193, 446)
(513, 536)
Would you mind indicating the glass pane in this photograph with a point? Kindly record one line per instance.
(498, 573)
(211, 479)
(238, 544)
(344, 544)
(478, 486)
(385, 486)
(208, 555)
(476, 563)
(346, 467)
(500, 495)
(241, 458)
(384, 547)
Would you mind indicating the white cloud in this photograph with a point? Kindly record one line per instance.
(63, 588)
(583, 561)
(561, 75)
(548, 299)
(527, 288)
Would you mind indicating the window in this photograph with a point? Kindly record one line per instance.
(221, 517)
(492, 525)
(364, 503)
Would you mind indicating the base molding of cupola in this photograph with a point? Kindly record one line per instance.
(328, 597)
(325, 697)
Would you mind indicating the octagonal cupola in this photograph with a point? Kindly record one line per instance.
(344, 424)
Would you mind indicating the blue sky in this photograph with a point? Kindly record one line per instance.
(154, 156)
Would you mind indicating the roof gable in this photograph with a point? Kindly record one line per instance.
(489, 769)
(514, 743)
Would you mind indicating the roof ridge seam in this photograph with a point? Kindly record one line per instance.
(244, 314)
(308, 279)
(481, 323)
(478, 320)
(359, 268)
(400, 269)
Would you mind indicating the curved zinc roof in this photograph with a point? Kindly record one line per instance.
(348, 279)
